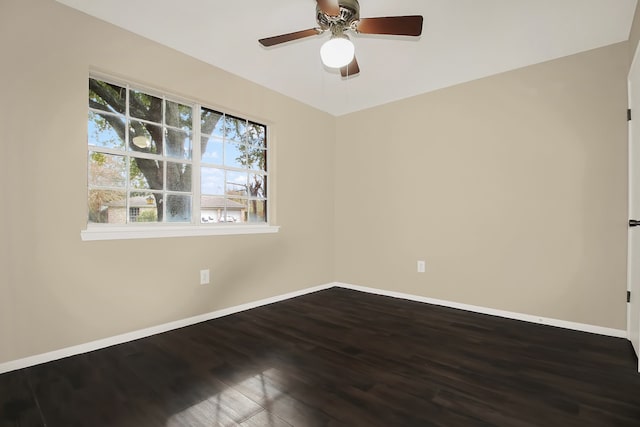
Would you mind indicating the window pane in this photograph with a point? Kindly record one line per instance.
(234, 128)
(211, 209)
(257, 211)
(144, 106)
(178, 208)
(146, 174)
(106, 170)
(257, 185)
(256, 159)
(234, 156)
(257, 135)
(178, 176)
(210, 123)
(107, 206)
(106, 130)
(212, 181)
(107, 97)
(236, 210)
(145, 137)
(236, 183)
(179, 115)
(143, 206)
(178, 144)
(211, 150)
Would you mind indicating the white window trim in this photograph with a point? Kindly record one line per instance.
(102, 232)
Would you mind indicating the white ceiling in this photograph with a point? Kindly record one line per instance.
(462, 40)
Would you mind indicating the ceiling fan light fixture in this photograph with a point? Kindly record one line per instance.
(141, 142)
(339, 16)
(337, 52)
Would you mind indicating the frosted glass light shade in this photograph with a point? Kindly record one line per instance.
(337, 52)
(141, 141)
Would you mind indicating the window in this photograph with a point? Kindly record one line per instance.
(134, 213)
(144, 167)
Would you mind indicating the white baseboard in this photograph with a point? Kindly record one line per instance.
(143, 333)
(600, 330)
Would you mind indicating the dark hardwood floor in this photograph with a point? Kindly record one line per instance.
(338, 358)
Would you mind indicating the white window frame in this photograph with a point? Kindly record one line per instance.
(100, 231)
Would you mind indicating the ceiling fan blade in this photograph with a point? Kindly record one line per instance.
(329, 7)
(392, 25)
(283, 38)
(351, 69)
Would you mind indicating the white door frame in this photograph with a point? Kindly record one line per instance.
(635, 67)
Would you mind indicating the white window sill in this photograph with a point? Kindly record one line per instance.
(109, 232)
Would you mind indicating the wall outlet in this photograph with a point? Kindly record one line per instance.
(204, 277)
(421, 266)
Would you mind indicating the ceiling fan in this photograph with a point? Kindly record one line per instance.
(339, 16)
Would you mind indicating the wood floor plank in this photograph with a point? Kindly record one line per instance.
(17, 404)
(265, 419)
(338, 358)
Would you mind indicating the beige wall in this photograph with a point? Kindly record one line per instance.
(634, 35)
(57, 291)
(516, 188)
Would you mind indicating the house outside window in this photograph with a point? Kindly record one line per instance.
(169, 161)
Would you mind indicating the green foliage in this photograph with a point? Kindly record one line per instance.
(106, 96)
(98, 158)
(136, 177)
(148, 216)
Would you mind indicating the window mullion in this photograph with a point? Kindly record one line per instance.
(127, 184)
(196, 156)
(164, 163)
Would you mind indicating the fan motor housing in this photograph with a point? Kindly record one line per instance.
(349, 12)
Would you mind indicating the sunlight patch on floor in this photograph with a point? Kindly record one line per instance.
(233, 405)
